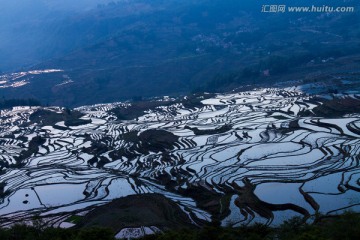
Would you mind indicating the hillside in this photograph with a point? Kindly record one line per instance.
(140, 49)
(206, 157)
(179, 119)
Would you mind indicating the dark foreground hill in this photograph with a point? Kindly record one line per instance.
(345, 226)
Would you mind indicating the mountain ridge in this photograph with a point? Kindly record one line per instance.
(173, 47)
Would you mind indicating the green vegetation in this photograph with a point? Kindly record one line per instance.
(137, 109)
(47, 117)
(219, 130)
(76, 122)
(346, 227)
(138, 210)
(33, 148)
(74, 219)
(9, 103)
(337, 107)
(22, 232)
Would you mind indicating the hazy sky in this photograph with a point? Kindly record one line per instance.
(14, 6)
(24, 25)
(16, 11)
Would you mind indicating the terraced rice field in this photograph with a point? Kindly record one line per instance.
(250, 153)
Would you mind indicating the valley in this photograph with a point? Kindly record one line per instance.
(202, 119)
(260, 155)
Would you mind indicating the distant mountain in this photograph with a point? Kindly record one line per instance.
(35, 30)
(134, 49)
